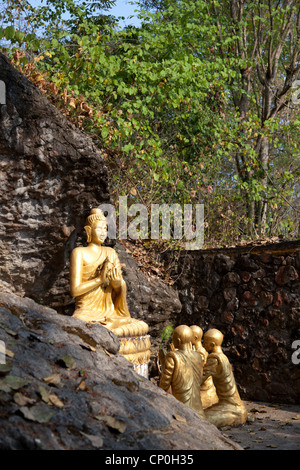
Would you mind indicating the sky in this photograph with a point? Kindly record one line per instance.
(126, 9)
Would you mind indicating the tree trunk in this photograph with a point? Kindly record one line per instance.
(261, 206)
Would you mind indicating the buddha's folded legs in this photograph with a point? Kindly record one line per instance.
(131, 328)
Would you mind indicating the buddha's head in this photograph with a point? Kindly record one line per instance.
(96, 227)
(197, 334)
(182, 337)
(212, 339)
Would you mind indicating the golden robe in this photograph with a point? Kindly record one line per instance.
(183, 371)
(229, 410)
(106, 304)
(102, 303)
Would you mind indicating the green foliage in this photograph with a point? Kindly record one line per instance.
(176, 104)
(167, 333)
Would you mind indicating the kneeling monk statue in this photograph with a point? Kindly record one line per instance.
(97, 284)
(230, 409)
(182, 370)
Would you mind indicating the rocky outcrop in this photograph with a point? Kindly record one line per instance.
(64, 386)
(252, 294)
(51, 175)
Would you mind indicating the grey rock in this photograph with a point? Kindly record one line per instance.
(223, 263)
(143, 416)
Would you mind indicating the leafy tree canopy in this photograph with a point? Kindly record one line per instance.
(196, 105)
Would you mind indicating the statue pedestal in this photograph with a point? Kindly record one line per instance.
(136, 350)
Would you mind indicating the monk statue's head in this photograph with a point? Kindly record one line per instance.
(197, 334)
(182, 337)
(96, 227)
(212, 340)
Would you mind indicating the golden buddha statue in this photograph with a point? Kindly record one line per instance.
(97, 284)
(230, 409)
(207, 389)
(182, 369)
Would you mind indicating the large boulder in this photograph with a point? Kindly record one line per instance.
(51, 175)
(65, 386)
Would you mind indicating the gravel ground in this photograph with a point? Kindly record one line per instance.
(268, 427)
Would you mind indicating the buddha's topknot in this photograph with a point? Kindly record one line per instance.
(96, 215)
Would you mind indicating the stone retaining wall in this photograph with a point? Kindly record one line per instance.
(252, 294)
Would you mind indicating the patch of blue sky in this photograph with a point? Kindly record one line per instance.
(125, 9)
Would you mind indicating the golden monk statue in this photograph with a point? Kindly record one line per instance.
(207, 389)
(97, 284)
(230, 409)
(182, 369)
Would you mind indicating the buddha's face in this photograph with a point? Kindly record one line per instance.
(99, 232)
